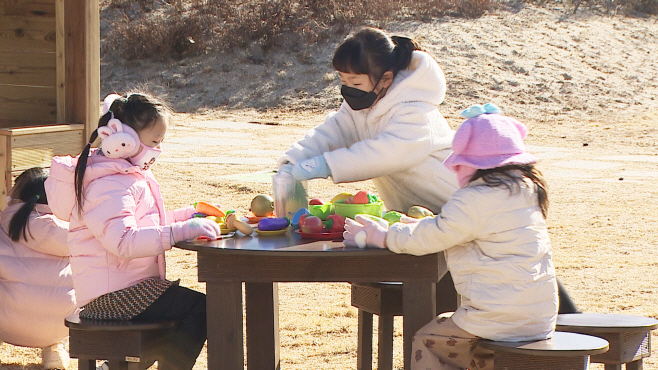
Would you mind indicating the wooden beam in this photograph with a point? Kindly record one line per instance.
(82, 56)
(60, 70)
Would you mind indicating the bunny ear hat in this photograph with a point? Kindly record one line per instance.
(118, 140)
(488, 139)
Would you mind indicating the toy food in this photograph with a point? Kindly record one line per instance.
(275, 223)
(302, 212)
(315, 202)
(262, 205)
(364, 197)
(311, 225)
(392, 217)
(342, 196)
(208, 209)
(233, 222)
(335, 223)
(419, 212)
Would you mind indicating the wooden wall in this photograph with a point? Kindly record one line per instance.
(28, 62)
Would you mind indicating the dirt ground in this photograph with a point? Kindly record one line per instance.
(584, 84)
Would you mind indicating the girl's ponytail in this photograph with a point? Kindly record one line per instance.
(401, 54)
(28, 188)
(81, 166)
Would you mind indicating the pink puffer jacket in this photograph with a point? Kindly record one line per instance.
(36, 289)
(121, 234)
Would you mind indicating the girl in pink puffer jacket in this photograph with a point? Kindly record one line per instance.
(119, 229)
(36, 289)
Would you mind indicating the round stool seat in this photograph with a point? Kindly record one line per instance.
(605, 322)
(561, 344)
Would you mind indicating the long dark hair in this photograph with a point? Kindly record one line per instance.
(139, 111)
(28, 188)
(507, 176)
(372, 51)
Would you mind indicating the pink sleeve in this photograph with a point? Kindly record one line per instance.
(47, 234)
(180, 214)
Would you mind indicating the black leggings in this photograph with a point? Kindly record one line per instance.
(567, 305)
(180, 348)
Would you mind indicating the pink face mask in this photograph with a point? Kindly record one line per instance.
(145, 158)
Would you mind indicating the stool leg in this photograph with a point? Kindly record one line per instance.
(86, 363)
(385, 354)
(364, 349)
(634, 365)
(612, 366)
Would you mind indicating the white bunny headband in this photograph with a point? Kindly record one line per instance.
(118, 140)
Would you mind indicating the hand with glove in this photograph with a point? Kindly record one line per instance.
(286, 168)
(194, 228)
(363, 231)
(312, 168)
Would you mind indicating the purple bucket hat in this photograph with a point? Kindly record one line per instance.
(488, 141)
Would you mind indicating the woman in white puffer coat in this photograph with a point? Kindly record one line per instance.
(36, 288)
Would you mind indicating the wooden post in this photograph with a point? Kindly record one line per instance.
(60, 70)
(82, 69)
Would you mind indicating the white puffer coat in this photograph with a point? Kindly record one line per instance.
(400, 143)
(499, 254)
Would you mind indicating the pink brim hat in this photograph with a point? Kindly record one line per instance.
(489, 141)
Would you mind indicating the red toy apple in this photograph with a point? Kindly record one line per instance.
(315, 202)
(311, 225)
(335, 223)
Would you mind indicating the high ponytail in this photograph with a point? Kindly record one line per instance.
(28, 188)
(402, 52)
(372, 51)
(81, 166)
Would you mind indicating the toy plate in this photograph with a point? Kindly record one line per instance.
(252, 219)
(271, 232)
(226, 231)
(321, 236)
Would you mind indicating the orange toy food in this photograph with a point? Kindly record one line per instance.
(208, 209)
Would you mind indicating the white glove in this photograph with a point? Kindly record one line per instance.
(364, 231)
(194, 228)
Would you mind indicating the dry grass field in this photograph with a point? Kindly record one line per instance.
(586, 87)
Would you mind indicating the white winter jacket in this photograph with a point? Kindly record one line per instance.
(499, 255)
(36, 288)
(400, 143)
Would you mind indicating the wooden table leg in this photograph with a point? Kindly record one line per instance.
(419, 308)
(262, 313)
(224, 317)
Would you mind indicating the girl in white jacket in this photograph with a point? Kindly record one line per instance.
(493, 231)
(36, 288)
(388, 129)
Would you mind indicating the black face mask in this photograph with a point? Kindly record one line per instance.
(358, 99)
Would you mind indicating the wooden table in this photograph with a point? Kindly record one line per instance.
(263, 261)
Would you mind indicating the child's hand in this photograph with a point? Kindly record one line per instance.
(312, 168)
(191, 229)
(365, 231)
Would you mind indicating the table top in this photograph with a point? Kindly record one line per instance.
(290, 242)
(292, 258)
(562, 343)
(606, 322)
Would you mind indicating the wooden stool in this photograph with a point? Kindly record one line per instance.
(122, 343)
(565, 351)
(385, 300)
(629, 336)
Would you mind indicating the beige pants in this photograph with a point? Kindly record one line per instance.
(442, 345)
